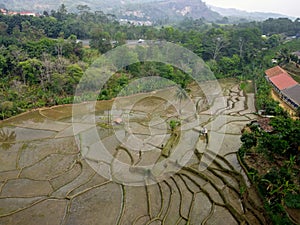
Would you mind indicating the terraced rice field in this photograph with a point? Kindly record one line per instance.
(55, 169)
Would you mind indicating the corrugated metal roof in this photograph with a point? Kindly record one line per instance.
(275, 71)
(283, 81)
(293, 93)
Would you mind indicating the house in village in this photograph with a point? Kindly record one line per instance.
(3, 11)
(286, 87)
(12, 13)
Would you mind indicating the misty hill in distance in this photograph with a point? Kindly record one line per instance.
(236, 13)
(142, 10)
(169, 10)
(41, 5)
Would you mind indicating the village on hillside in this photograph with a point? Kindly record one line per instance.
(285, 86)
(22, 13)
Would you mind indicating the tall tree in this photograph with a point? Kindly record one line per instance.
(181, 95)
(101, 40)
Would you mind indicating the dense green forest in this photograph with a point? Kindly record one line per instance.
(42, 61)
(274, 159)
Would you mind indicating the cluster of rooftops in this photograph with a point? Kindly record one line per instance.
(23, 13)
(287, 88)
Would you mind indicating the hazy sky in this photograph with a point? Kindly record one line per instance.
(286, 7)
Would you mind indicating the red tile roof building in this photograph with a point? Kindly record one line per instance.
(277, 70)
(283, 81)
(287, 88)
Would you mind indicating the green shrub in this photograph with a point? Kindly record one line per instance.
(292, 200)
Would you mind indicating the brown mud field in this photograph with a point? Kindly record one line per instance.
(60, 168)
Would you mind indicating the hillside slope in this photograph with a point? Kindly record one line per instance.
(152, 10)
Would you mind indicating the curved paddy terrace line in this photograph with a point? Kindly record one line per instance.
(79, 195)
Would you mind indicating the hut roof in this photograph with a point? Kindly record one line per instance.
(283, 81)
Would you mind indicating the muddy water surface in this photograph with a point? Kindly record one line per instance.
(147, 174)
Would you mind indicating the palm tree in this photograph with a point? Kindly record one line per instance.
(181, 95)
(283, 56)
(6, 135)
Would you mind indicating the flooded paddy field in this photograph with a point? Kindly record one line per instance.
(120, 162)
